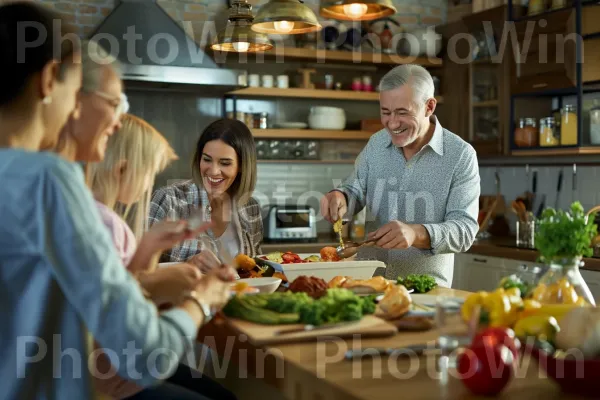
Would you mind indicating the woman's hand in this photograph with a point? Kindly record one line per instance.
(205, 261)
(214, 287)
(167, 285)
(165, 234)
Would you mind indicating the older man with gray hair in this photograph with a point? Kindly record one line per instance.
(419, 182)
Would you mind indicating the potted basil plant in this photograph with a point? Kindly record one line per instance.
(562, 239)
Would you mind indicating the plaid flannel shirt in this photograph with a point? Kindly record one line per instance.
(180, 199)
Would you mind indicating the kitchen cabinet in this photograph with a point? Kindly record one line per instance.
(474, 272)
(592, 279)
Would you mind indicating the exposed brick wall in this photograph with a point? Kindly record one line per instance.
(86, 14)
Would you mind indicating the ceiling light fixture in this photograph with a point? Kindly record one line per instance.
(285, 17)
(238, 35)
(357, 10)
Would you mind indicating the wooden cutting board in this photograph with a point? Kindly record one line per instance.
(258, 335)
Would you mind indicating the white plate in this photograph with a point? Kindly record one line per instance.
(429, 300)
(263, 284)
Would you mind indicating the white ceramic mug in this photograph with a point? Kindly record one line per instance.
(267, 81)
(254, 80)
(283, 82)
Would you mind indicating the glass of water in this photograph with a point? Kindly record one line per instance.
(453, 331)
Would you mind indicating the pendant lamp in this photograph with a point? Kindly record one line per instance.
(238, 35)
(357, 10)
(285, 17)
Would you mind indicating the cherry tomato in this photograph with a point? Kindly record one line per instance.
(486, 369)
(499, 336)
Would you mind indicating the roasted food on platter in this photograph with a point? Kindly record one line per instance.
(336, 305)
(376, 284)
(395, 304)
(244, 262)
(326, 254)
(329, 254)
(247, 267)
(311, 285)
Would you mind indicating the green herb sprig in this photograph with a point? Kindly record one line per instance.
(420, 283)
(565, 234)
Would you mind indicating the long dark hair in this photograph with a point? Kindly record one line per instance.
(24, 23)
(237, 135)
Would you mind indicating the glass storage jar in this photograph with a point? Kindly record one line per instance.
(548, 136)
(568, 125)
(563, 284)
(527, 134)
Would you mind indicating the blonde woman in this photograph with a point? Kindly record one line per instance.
(121, 184)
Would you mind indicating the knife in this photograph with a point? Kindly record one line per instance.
(310, 328)
(416, 349)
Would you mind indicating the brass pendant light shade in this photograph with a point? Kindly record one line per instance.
(238, 35)
(357, 10)
(285, 17)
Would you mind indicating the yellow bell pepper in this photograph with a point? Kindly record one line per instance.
(503, 307)
(543, 327)
(550, 310)
(473, 300)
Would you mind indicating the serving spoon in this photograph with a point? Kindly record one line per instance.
(351, 248)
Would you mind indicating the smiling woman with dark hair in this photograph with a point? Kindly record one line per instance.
(224, 178)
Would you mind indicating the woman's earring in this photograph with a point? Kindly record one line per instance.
(47, 100)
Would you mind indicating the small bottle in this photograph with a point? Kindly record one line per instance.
(357, 84)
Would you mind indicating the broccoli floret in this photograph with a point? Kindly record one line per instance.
(288, 302)
(312, 313)
(352, 311)
(368, 304)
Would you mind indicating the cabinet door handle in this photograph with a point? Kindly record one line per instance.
(481, 260)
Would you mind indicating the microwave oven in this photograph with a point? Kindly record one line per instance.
(290, 223)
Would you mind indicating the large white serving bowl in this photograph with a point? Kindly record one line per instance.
(362, 269)
(264, 285)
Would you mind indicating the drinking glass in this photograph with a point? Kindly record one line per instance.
(453, 331)
(526, 234)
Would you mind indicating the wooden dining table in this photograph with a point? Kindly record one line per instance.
(318, 369)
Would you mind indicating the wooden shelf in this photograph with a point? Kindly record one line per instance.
(487, 103)
(310, 94)
(306, 161)
(322, 55)
(558, 151)
(310, 134)
(331, 56)
(306, 93)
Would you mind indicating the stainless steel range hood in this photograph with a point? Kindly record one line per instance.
(161, 53)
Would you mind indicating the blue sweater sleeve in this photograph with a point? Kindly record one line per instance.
(107, 298)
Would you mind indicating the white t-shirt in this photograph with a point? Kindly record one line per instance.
(229, 240)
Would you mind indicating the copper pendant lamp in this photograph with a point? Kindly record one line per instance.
(238, 35)
(285, 17)
(357, 10)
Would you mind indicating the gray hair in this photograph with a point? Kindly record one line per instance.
(415, 75)
(94, 58)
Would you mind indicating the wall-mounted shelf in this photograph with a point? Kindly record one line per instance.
(310, 134)
(310, 94)
(557, 151)
(340, 56)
